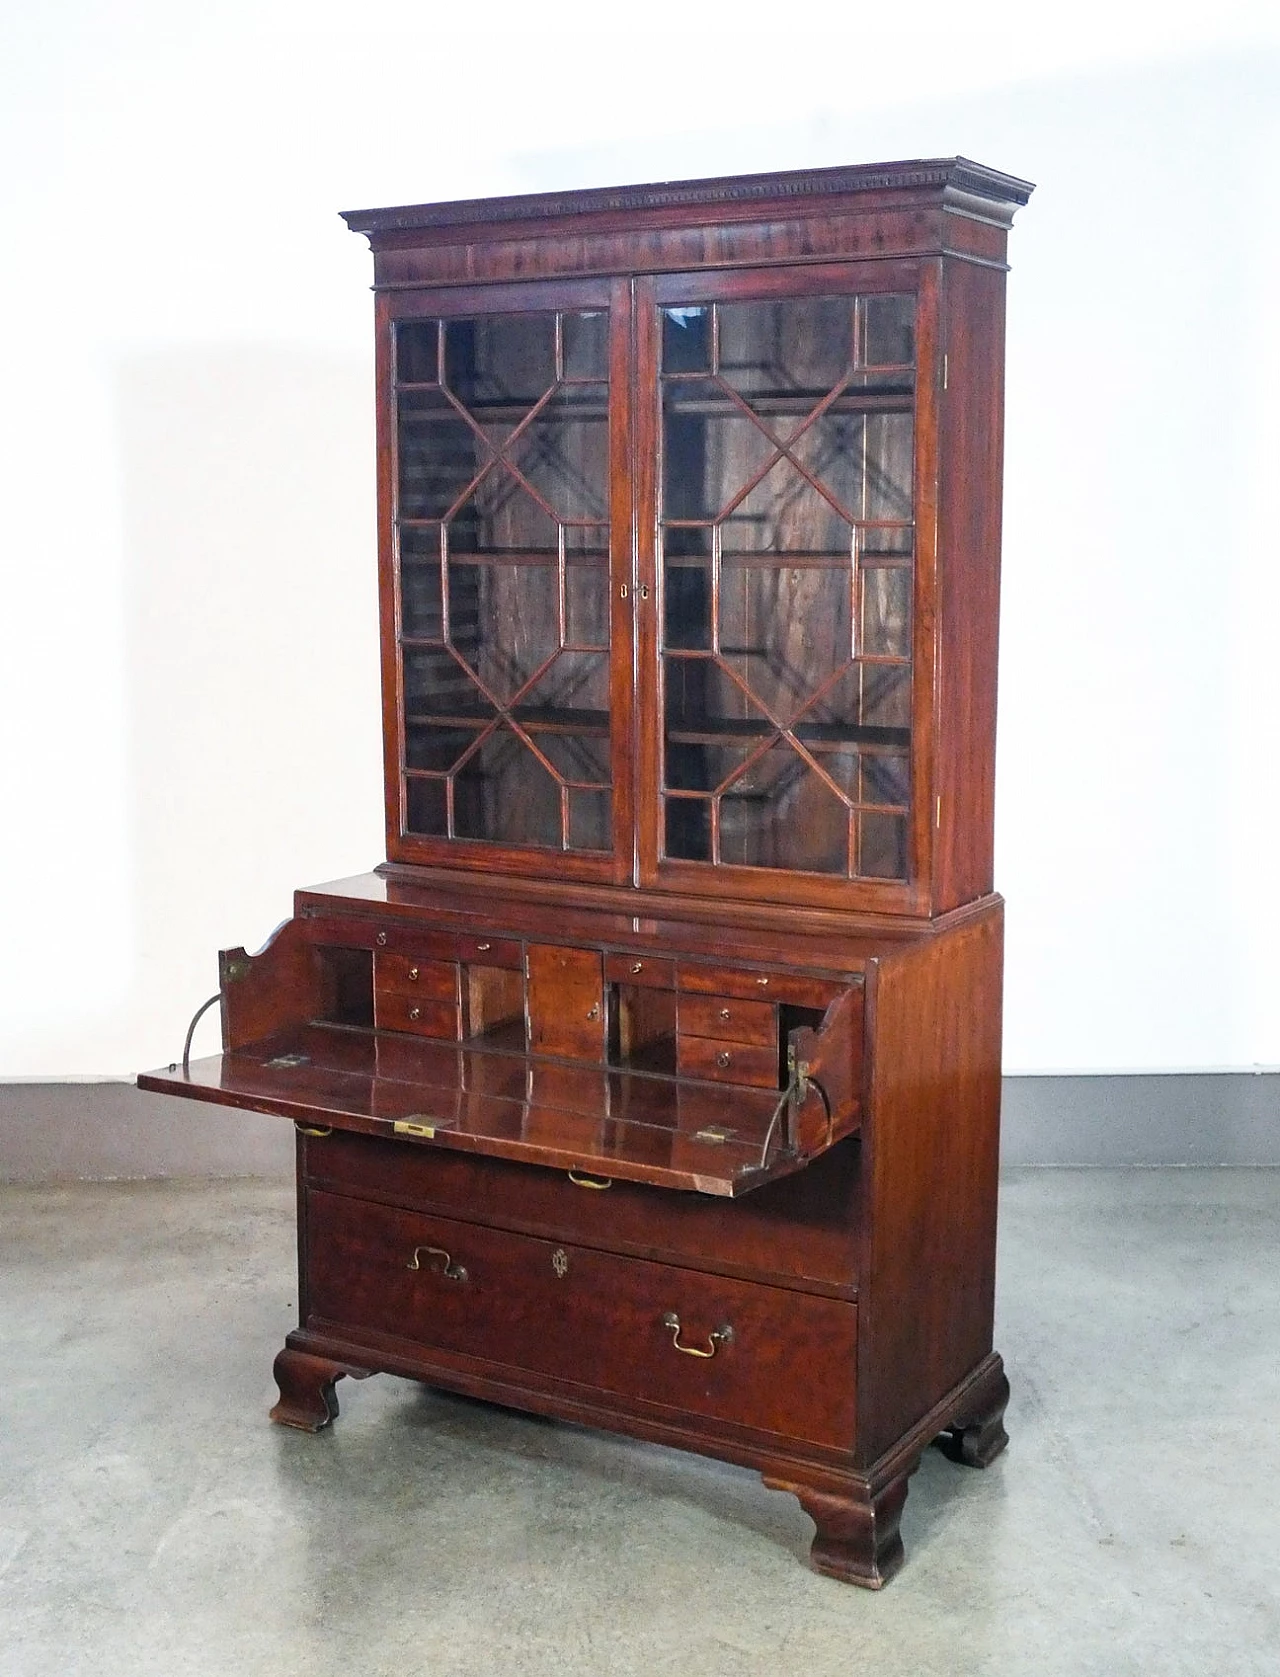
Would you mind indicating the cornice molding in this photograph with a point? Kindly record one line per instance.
(964, 180)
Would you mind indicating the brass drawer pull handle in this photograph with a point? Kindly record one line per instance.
(724, 1013)
(594, 1012)
(637, 966)
(413, 972)
(450, 1270)
(723, 1335)
(762, 982)
(381, 940)
(308, 1129)
(482, 947)
(415, 1013)
(724, 1060)
(582, 1181)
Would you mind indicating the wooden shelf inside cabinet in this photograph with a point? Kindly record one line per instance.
(652, 1082)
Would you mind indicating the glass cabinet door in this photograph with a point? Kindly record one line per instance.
(784, 561)
(502, 539)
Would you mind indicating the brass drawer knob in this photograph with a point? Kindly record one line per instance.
(447, 1268)
(723, 1335)
(724, 1059)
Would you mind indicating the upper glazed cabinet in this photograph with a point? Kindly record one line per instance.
(688, 573)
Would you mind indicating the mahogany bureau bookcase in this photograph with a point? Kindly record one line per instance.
(653, 1081)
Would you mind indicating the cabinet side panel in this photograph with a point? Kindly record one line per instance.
(971, 454)
(931, 1145)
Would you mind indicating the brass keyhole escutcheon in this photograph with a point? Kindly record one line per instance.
(560, 1262)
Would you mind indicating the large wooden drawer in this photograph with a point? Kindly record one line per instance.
(782, 1362)
(801, 1231)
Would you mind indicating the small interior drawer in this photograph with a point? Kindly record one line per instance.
(727, 1018)
(396, 1011)
(727, 1062)
(491, 952)
(795, 988)
(425, 979)
(646, 971)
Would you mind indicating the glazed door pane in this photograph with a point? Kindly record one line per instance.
(502, 537)
(785, 527)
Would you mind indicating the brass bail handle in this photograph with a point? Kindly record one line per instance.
(581, 1180)
(723, 1335)
(450, 1270)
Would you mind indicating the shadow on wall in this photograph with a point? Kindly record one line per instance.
(254, 727)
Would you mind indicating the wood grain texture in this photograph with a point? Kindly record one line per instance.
(593, 1318)
(931, 1134)
(801, 1231)
(971, 453)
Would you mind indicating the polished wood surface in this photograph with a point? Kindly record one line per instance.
(653, 1081)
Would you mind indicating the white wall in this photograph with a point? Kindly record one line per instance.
(188, 684)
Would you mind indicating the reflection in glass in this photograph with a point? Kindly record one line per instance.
(686, 340)
(889, 330)
(797, 345)
(503, 793)
(563, 454)
(439, 454)
(787, 500)
(503, 535)
(779, 814)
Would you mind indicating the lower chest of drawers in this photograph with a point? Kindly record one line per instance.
(761, 1357)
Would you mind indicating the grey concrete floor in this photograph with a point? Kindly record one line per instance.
(151, 1521)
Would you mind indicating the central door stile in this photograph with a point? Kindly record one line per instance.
(647, 436)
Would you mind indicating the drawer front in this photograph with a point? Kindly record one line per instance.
(491, 952)
(566, 1002)
(395, 1011)
(414, 943)
(730, 1019)
(757, 986)
(797, 1230)
(648, 971)
(435, 981)
(781, 1362)
(727, 1062)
